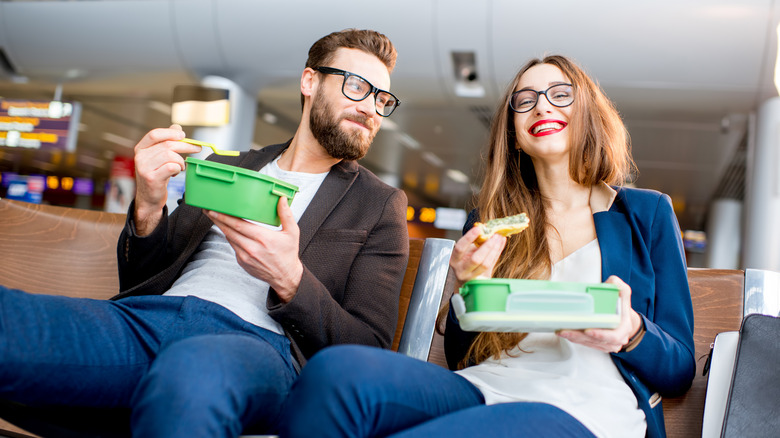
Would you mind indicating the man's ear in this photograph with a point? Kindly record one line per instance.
(309, 82)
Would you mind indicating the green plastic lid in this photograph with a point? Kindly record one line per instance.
(516, 305)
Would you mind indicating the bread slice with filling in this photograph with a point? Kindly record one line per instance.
(505, 226)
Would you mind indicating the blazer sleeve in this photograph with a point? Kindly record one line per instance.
(150, 264)
(367, 312)
(664, 359)
(457, 341)
(141, 257)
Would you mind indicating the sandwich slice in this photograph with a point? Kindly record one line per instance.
(505, 226)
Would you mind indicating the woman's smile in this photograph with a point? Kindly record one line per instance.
(547, 127)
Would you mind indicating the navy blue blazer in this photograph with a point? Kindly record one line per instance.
(640, 243)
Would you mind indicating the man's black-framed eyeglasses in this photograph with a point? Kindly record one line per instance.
(560, 95)
(356, 88)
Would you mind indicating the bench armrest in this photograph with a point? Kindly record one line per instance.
(426, 297)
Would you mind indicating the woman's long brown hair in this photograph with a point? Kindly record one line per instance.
(599, 152)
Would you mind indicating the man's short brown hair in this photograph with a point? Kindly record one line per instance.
(369, 41)
(322, 52)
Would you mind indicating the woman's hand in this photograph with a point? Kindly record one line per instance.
(470, 261)
(610, 341)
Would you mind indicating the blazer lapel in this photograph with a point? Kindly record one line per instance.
(256, 159)
(614, 235)
(341, 177)
(333, 188)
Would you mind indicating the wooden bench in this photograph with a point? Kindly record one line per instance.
(46, 249)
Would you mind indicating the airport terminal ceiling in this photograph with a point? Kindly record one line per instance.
(686, 77)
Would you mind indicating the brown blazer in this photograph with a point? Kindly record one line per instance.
(354, 247)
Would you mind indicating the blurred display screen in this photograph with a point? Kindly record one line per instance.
(49, 125)
(695, 241)
(450, 218)
(25, 188)
(7, 177)
(83, 187)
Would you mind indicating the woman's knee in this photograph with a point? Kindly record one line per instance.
(343, 366)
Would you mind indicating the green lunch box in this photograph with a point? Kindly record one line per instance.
(235, 191)
(512, 305)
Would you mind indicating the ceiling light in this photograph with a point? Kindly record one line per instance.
(91, 161)
(75, 73)
(389, 125)
(408, 141)
(469, 90)
(194, 105)
(777, 62)
(160, 107)
(43, 165)
(432, 159)
(457, 176)
(121, 141)
(270, 118)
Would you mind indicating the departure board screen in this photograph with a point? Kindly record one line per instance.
(34, 124)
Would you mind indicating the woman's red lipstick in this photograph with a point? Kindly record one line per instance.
(539, 129)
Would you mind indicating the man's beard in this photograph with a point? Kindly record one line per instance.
(339, 143)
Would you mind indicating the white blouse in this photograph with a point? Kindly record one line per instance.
(580, 380)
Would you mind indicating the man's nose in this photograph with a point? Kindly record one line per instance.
(367, 106)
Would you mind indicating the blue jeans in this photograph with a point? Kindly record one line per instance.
(184, 366)
(357, 391)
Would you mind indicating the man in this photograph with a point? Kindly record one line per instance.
(216, 314)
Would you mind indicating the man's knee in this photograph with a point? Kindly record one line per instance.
(182, 371)
(225, 379)
(203, 365)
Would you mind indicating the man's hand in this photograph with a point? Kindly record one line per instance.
(269, 255)
(610, 341)
(157, 159)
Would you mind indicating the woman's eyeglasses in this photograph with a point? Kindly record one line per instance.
(560, 95)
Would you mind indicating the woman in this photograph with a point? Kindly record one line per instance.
(556, 146)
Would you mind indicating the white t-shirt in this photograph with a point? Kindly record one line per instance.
(213, 274)
(581, 381)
